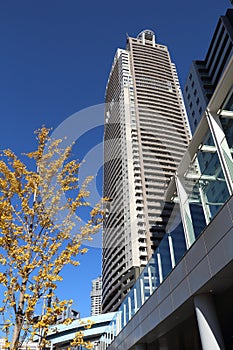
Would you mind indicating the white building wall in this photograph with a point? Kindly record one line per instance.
(145, 137)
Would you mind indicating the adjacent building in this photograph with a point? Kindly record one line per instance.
(205, 74)
(25, 346)
(96, 296)
(61, 335)
(146, 133)
(183, 297)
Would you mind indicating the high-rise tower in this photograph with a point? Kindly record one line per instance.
(96, 296)
(145, 136)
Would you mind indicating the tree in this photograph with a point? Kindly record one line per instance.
(36, 241)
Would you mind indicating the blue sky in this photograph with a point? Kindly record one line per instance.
(55, 60)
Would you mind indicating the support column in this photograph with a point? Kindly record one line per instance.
(124, 315)
(171, 249)
(135, 300)
(129, 308)
(160, 268)
(150, 280)
(142, 292)
(209, 328)
(118, 323)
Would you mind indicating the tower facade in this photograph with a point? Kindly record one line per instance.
(145, 136)
(96, 296)
(205, 74)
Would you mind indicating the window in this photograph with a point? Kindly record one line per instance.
(190, 76)
(192, 84)
(193, 114)
(200, 110)
(197, 101)
(195, 92)
(186, 88)
(188, 96)
(191, 104)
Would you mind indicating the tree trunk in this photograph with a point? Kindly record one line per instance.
(19, 318)
(17, 331)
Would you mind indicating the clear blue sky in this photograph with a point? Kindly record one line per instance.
(55, 60)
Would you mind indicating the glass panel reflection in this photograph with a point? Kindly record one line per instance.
(175, 229)
(229, 103)
(227, 125)
(178, 241)
(205, 185)
(165, 256)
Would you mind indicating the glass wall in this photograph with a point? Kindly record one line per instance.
(226, 119)
(205, 185)
(200, 192)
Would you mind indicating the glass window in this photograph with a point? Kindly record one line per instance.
(227, 143)
(227, 125)
(178, 240)
(229, 103)
(174, 228)
(164, 251)
(205, 185)
(226, 119)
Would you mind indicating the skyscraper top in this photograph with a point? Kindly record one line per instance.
(147, 34)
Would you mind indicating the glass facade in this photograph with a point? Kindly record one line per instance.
(226, 119)
(205, 185)
(201, 187)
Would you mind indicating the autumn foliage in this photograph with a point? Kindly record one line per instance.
(39, 235)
